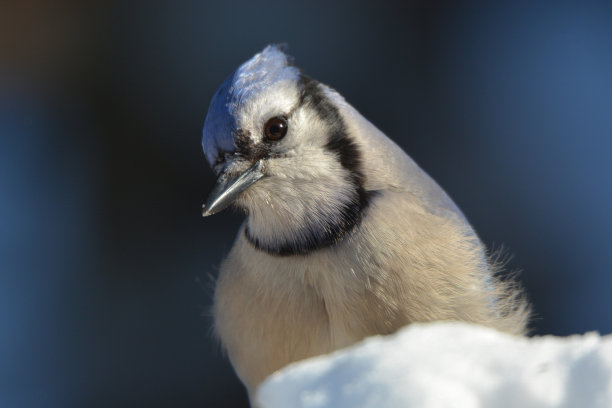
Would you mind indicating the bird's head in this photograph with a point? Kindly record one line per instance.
(280, 148)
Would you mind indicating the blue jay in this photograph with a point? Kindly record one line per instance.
(345, 236)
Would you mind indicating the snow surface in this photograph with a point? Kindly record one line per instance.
(450, 365)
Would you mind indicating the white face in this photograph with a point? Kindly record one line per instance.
(305, 188)
(307, 196)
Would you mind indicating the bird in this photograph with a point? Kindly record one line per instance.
(344, 237)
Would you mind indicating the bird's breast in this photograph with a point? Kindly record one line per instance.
(271, 310)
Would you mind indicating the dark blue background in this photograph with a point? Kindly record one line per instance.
(105, 264)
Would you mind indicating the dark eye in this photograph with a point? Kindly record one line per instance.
(275, 128)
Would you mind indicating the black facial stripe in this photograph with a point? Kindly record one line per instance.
(339, 142)
(247, 149)
(337, 226)
(242, 140)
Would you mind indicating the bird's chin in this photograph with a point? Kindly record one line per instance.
(249, 201)
(241, 206)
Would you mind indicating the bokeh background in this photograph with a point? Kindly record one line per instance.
(106, 266)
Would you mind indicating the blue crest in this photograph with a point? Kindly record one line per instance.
(264, 69)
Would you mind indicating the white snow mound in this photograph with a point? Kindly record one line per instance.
(450, 365)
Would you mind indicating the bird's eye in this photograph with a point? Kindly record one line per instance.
(275, 128)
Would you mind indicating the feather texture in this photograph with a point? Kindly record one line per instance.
(346, 237)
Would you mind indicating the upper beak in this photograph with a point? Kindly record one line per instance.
(229, 187)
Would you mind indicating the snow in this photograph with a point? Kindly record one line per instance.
(450, 365)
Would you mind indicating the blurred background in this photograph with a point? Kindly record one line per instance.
(106, 267)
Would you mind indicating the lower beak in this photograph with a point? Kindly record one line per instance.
(228, 188)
